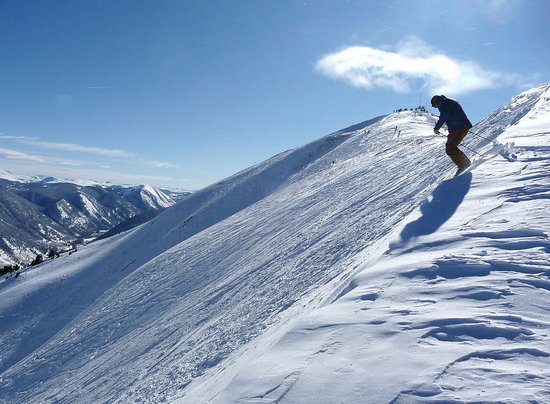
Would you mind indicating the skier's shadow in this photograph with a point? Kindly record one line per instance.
(446, 199)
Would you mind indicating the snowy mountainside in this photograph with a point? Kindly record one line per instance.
(65, 211)
(23, 229)
(456, 310)
(175, 308)
(176, 194)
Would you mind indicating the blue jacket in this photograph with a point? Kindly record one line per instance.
(452, 114)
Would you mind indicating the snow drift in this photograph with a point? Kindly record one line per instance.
(263, 287)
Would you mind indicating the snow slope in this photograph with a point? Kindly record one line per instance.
(272, 285)
(455, 311)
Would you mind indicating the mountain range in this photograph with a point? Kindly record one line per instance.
(39, 214)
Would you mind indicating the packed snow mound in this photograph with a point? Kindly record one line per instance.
(180, 307)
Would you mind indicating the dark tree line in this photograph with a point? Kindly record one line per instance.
(7, 269)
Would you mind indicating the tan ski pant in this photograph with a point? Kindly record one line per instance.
(451, 147)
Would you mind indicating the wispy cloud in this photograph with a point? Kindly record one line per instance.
(69, 147)
(11, 154)
(72, 147)
(413, 65)
(7, 137)
(16, 163)
(17, 155)
(35, 160)
(160, 164)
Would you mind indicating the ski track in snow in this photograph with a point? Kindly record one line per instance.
(271, 286)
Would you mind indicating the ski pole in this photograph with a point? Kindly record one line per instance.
(461, 144)
(472, 150)
(478, 135)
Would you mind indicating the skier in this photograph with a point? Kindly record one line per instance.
(458, 124)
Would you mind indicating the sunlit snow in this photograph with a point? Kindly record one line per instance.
(354, 269)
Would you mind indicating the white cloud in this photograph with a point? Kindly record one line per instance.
(65, 165)
(16, 155)
(71, 147)
(6, 137)
(413, 64)
(160, 164)
(17, 162)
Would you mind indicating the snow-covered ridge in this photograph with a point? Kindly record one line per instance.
(158, 195)
(8, 175)
(260, 286)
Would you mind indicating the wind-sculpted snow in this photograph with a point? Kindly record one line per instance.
(510, 114)
(266, 286)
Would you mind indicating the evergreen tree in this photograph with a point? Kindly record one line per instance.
(38, 260)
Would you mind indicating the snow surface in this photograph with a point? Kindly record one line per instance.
(353, 269)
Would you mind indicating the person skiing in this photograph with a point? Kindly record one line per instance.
(458, 124)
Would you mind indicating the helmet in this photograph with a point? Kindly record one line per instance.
(435, 100)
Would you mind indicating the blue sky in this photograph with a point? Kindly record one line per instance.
(185, 93)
